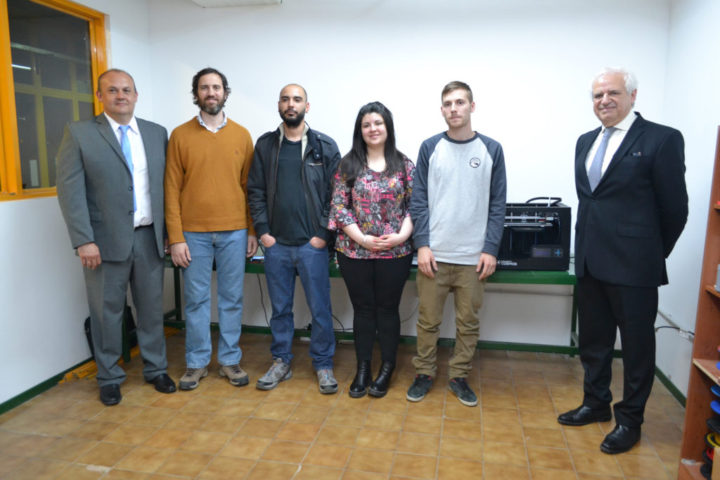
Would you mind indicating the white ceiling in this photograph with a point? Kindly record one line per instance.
(234, 3)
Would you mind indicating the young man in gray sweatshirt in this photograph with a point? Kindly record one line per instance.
(458, 209)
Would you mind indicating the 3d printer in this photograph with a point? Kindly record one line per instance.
(536, 235)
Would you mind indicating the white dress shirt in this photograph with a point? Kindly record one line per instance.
(141, 180)
(614, 141)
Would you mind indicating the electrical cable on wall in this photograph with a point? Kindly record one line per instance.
(682, 332)
(412, 313)
(262, 301)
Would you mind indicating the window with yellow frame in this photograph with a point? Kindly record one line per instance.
(51, 52)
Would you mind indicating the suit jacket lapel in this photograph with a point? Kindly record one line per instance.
(146, 139)
(636, 130)
(582, 158)
(110, 138)
(150, 144)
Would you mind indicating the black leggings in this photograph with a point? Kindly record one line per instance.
(375, 287)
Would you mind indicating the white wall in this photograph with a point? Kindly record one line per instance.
(692, 104)
(529, 64)
(42, 297)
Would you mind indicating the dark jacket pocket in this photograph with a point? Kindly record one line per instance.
(640, 231)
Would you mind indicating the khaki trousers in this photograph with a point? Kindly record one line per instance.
(462, 281)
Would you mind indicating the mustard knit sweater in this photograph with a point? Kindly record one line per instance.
(206, 179)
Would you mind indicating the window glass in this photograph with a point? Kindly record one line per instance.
(57, 111)
(53, 84)
(27, 136)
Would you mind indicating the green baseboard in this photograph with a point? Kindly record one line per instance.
(670, 386)
(37, 389)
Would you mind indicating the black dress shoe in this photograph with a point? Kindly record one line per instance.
(163, 383)
(621, 439)
(110, 394)
(361, 381)
(379, 387)
(584, 415)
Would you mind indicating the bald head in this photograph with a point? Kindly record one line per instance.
(293, 105)
(113, 72)
(293, 86)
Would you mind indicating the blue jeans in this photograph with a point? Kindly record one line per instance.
(311, 264)
(228, 250)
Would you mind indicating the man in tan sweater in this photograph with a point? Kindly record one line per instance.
(207, 219)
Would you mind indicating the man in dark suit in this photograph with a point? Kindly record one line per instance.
(110, 187)
(633, 205)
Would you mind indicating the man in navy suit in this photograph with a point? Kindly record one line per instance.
(633, 205)
(110, 174)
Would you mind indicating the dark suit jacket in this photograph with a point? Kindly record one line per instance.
(94, 186)
(628, 226)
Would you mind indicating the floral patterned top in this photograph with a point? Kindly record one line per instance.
(378, 203)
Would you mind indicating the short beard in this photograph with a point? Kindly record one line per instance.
(293, 122)
(214, 110)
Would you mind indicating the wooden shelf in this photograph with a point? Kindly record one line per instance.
(705, 344)
(690, 472)
(709, 368)
(711, 290)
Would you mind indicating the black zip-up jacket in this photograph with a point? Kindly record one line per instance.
(320, 162)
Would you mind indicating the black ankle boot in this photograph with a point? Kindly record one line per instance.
(379, 387)
(362, 380)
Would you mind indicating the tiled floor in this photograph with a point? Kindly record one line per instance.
(293, 432)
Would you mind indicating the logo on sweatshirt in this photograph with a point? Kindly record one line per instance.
(474, 162)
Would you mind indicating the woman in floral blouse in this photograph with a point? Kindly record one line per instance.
(370, 211)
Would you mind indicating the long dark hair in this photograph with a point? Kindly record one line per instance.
(352, 164)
